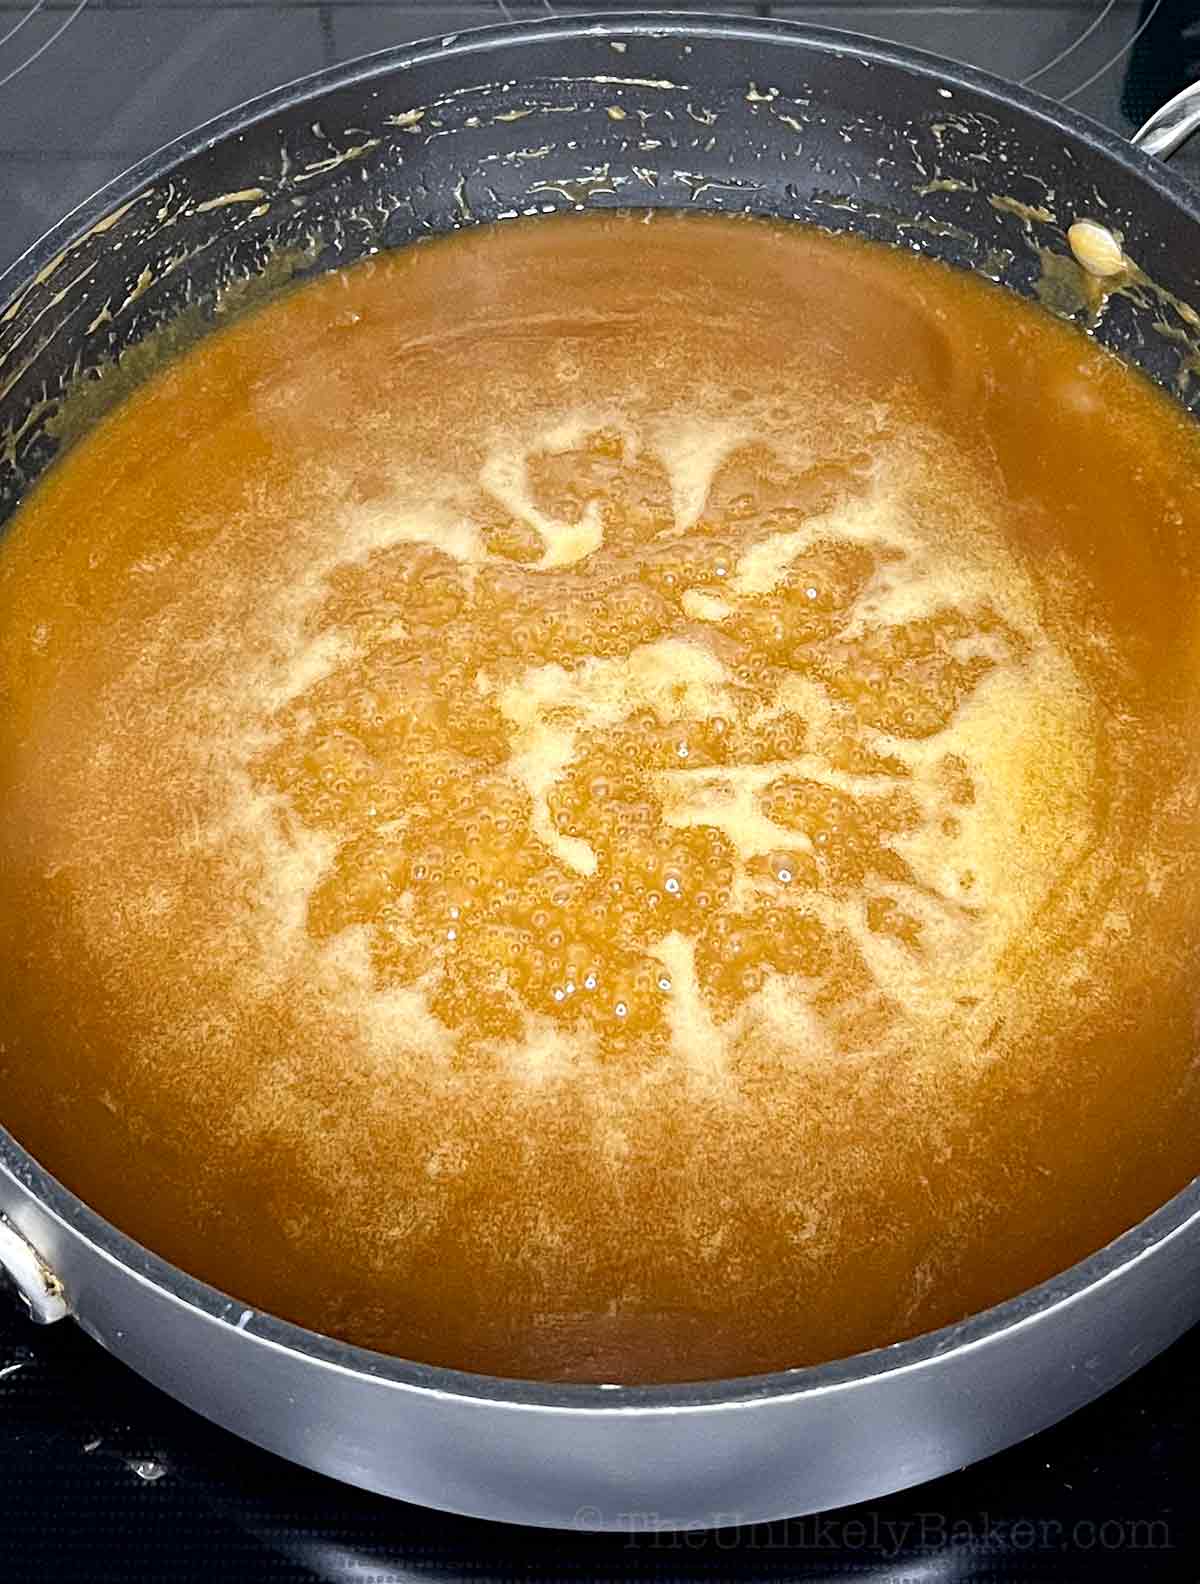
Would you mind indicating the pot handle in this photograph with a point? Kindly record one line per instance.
(38, 1288)
(1172, 125)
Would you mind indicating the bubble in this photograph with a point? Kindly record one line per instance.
(621, 1009)
(1096, 248)
(664, 983)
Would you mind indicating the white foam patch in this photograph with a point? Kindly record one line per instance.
(542, 755)
(727, 798)
(549, 708)
(878, 518)
(699, 1046)
(401, 517)
(703, 605)
(393, 1022)
(692, 450)
(275, 863)
(783, 1012)
(1034, 813)
(541, 1056)
(311, 663)
(505, 477)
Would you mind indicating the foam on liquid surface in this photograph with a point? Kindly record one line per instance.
(563, 830)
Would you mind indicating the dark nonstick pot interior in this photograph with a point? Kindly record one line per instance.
(717, 114)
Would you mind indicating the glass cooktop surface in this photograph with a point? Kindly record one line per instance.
(103, 1478)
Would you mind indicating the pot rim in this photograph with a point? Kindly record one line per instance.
(1170, 1223)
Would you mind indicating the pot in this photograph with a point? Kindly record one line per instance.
(726, 114)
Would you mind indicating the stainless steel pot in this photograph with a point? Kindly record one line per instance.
(719, 113)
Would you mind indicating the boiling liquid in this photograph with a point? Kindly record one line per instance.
(611, 799)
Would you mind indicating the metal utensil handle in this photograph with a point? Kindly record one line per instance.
(38, 1288)
(1172, 125)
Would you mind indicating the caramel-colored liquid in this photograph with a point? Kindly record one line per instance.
(612, 798)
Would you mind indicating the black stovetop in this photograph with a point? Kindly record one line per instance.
(101, 1477)
(105, 1481)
